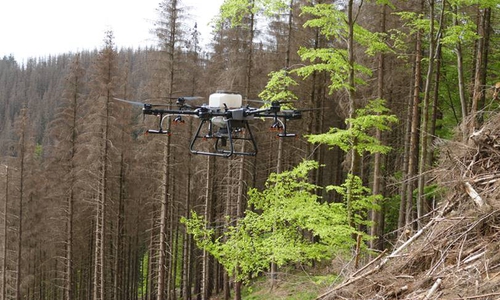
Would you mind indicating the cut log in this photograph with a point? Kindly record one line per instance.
(433, 289)
(474, 195)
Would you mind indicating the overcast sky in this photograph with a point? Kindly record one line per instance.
(38, 28)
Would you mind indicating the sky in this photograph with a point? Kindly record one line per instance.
(39, 28)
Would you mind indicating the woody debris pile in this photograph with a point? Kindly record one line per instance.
(456, 254)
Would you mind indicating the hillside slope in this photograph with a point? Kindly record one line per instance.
(456, 255)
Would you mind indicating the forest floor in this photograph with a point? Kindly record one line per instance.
(456, 254)
(296, 285)
(293, 283)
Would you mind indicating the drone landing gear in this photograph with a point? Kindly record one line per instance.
(225, 139)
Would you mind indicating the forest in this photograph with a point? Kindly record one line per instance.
(93, 208)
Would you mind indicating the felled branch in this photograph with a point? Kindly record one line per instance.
(433, 289)
(474, 195)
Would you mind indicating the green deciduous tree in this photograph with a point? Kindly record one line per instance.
(274, 231)
(357, 136)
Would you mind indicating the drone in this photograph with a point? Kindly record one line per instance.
(224, 120)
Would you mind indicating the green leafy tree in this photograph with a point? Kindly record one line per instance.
(236, 10)
(274, 231)
(277, 88)
(357, 135)
(357, 138)
(332, 22)
(337, 23)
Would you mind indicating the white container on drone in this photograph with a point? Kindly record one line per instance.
(225, 99)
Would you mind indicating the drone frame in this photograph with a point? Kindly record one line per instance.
(223, 138)
(234, 120)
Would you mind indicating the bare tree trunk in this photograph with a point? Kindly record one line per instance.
(241, 175)
(376, 229)
(22, 151)
(68, 284)
(279, 159)
(229, 217)
(151, 257)
(163, 221)
(5, 235)
(424, 127)
(461, 83)
(415, 122)
(406, 152)
(479, 68)
(486, 34)
(187, 242)
(170, 44)
(118, 253)
(208, 218)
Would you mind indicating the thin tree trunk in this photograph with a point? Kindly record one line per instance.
(461, 83)
(477, 89)
(279, 158)
(118, 262)
(186, 254)
(376, 229)
(479, 69)
(205, 288)
(415, 122)
(171, 43)
(21, 195)
(71, 198)
(486, 25)
(406, 152)
(424, 127)
(163, 222)
(241, 175)
(355, 166)
(5, 235)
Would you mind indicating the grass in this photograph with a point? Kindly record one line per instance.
(291, 285)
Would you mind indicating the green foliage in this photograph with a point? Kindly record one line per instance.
(360, 201)
(277, 88)
(143, 275)
(332, 24)
(357, 135)
(236, 10)
(391, 208)
(274, 232)
(414, 21)
(431, 191)
(464, 32)
(481, 3)
(38, 153)
(330, 21)
(333, 62)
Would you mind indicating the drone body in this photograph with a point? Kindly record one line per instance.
(224, 121)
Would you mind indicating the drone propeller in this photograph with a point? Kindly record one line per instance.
(142, 104)
(311, 109)
(136, 103)
(189, 98)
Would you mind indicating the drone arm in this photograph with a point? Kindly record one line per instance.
(150, 111)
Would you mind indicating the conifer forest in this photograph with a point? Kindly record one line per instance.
(91, 207)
